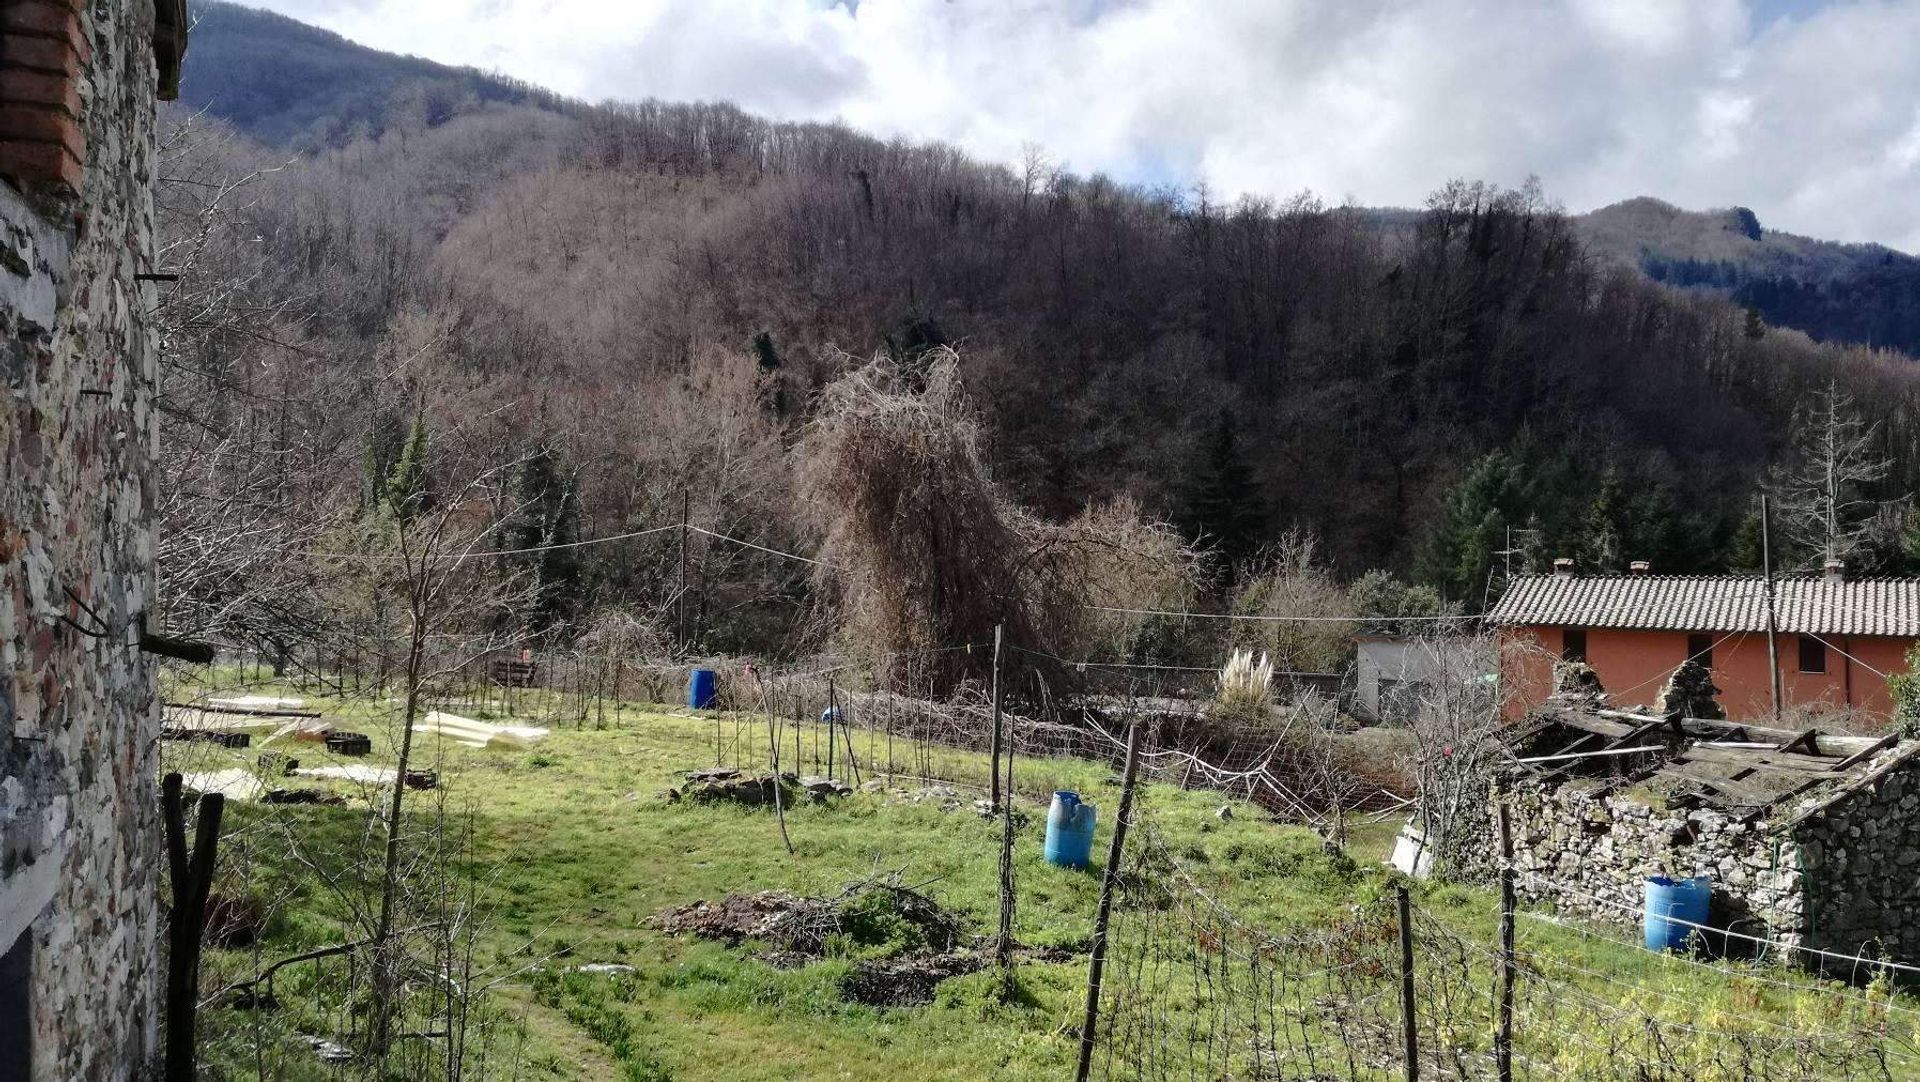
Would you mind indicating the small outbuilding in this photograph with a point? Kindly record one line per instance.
(1810, 840)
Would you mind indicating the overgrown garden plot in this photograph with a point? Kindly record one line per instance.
(555, 863)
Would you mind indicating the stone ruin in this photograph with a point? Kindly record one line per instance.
(1689, 693)
(1810, 840)
(1575, 683)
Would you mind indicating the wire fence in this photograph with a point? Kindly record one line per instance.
(816, 719)
(1196, 990)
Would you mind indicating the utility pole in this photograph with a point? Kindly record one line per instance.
(1766, 572)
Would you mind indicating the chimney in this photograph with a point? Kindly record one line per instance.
(1833, 570)
(1639, 567)
(1563, 567)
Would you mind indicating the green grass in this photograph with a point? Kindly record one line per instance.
(576, 848)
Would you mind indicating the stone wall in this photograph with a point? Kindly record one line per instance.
(1861, 847)
(79, 839)
(1598, 847)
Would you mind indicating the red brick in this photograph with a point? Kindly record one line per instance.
(38, 124)
(44, 17)
(41, 54)
(39, 88)
(42, 163)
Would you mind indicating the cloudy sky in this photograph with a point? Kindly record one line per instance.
(1807, 111)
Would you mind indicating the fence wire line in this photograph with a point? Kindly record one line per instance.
(1197, 990)
(1839, 956)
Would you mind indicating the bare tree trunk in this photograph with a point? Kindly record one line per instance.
(386, 954)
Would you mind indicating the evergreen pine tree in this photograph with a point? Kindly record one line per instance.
(547, 514)
(1223, 507)
(407, 492)
(1603, 537)
(1472, 530)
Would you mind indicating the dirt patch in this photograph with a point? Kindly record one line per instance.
(875, 914)
(771, 916)
(919, 942)
(234, 920)
(907, 981)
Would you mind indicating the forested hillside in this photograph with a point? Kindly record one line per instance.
(644, 299)
(1859, 293)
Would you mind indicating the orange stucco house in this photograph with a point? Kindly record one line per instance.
(1838, 640)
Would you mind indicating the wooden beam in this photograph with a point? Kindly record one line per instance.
(1808, 738)
(1759, 759)
(1869, 751)
(1732, 791)
(1593, 754)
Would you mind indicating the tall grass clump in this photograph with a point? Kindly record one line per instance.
(1246, 688)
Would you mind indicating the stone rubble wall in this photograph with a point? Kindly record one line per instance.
(1862, 853)
(1601, 847)
(80, 853)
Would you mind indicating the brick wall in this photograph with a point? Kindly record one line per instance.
(43, 53)
(80, 867)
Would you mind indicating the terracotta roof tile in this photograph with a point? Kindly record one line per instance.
(1810, 606)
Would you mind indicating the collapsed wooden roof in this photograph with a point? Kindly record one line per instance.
(1738, 767)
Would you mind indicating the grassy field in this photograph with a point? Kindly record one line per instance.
(568, 851)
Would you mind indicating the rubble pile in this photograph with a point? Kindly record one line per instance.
(923, 943)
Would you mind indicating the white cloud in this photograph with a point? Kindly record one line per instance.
(1805, 112)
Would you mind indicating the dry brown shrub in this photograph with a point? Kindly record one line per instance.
(1295, 583)
(924, 549)
(1122, 560)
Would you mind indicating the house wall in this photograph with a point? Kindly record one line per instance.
(1633, 665)
(79, 837)
(1381, 659)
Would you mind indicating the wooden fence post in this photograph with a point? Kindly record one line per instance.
(1503, 1031)
(192, 878)
(1108, 882)
(1407, 1023)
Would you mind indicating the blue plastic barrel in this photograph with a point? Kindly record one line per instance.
(701, 688)
(1069, 830)
(1676, 909)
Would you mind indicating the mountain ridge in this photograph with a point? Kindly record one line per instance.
(631, 281)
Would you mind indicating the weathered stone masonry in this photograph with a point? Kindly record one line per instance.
(79, 841)
(1837, 870)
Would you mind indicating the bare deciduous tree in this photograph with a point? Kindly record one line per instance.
(1825, 494)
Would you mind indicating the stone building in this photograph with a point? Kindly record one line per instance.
(1809, 839)
(79, 834)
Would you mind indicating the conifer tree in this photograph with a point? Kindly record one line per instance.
(407, 492)
(1224, 509)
